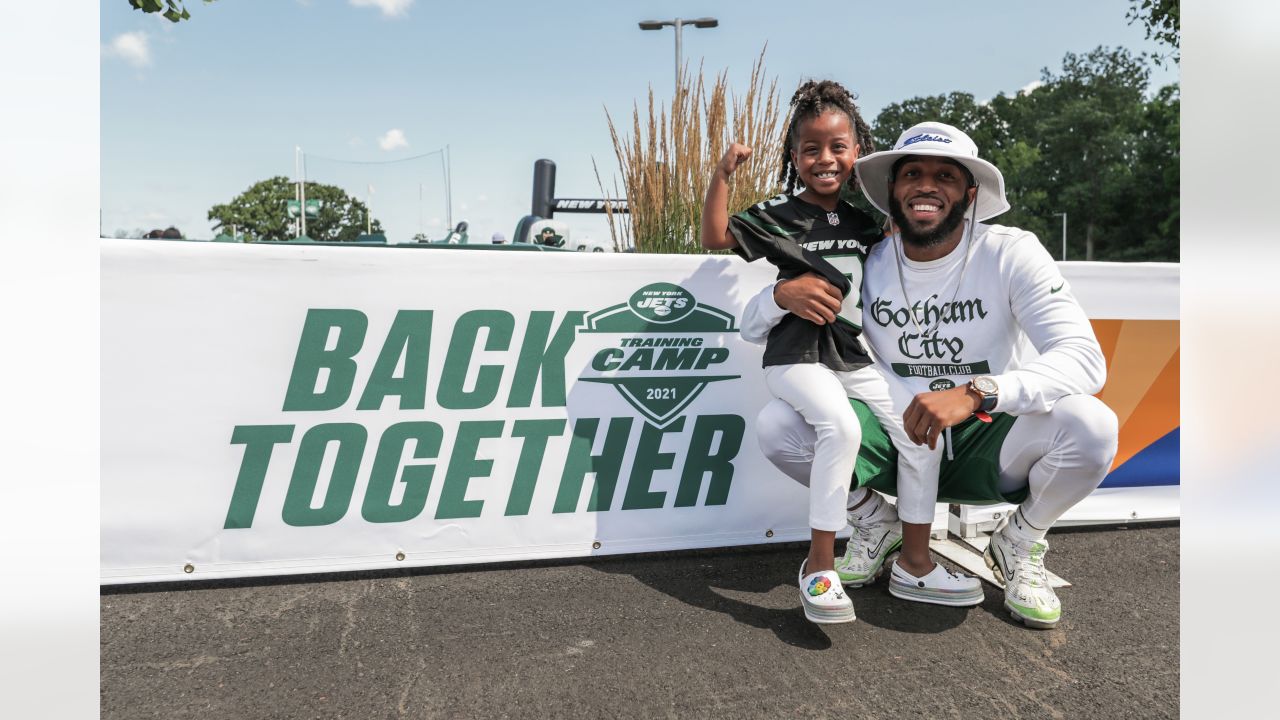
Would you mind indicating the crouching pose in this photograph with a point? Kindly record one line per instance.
(991, 365)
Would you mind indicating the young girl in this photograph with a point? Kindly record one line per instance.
(813, 362)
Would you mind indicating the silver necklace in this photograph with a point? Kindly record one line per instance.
(902, 283)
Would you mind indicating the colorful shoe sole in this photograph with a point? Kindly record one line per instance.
(826, 616)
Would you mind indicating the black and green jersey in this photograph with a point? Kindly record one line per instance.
(800, 237)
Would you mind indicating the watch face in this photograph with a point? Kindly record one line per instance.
(985, 385)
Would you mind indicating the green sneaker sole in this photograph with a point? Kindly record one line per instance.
(1029, 621)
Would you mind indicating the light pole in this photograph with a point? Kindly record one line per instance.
(448, 187)
(297, 195)
(302, 189)
(1064, 233)
(678, 24)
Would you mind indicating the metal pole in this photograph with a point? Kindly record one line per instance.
(1064, 233)
(448, 188)
(1064, 236)
(297, 191)
(303, 191)
(543, 204)
(444, 177)
(679, 25)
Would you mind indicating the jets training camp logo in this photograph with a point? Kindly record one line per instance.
(668, 351)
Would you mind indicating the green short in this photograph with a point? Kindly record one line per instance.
(971, 478)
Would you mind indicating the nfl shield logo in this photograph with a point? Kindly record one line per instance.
(833, 218)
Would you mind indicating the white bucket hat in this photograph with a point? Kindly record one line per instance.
(938, 140)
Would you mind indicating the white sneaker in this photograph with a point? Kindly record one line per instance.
(823, 597)
(871, 542)
(1019, 567)
(940, 587)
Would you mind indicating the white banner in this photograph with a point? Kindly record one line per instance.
(284, 409)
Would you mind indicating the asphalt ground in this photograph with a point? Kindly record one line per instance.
(693, 634)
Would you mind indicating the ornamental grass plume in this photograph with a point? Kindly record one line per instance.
(667, 160)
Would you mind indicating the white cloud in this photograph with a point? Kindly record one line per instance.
(1030, 87)
(394, 138)
(132, 47)
(389, 8)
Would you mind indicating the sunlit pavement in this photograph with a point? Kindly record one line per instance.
(706, 633)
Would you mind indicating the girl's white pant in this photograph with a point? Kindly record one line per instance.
(818, 397)
(1060, 456)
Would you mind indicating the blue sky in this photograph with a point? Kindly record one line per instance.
(194, 113)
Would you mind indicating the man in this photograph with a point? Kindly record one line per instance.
(549, 237)
(952, 310)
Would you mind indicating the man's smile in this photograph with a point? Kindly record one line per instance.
(925, 208)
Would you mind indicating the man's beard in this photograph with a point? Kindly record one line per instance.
(936, 236)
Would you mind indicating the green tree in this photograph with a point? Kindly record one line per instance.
(1153, 208)
(1161, 19)
(958, 109)
(261, 212)
(1087, 142)
(1086, 123)
(173, 10)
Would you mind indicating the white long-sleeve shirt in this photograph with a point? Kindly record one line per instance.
(1006, 312)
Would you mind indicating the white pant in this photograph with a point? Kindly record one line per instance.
(1060, 456)
(820, 397)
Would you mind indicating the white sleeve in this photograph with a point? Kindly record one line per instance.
(761, 315)
(1070, 361)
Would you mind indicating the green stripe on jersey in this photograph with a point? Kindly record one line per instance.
(771, 229)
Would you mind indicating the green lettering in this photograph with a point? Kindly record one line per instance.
(464, 465)
(701, 460)
(377, 505)
(451, 395)
(606, 359)
(258, 441)
(536, 433)
(606, 466)
(711, 356)
(672, 359)
(639, 360)
(350, 439)
(649, 459)
(410, 338)
(312, 357)
(543, 360)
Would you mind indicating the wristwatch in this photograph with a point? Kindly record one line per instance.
(987, 390)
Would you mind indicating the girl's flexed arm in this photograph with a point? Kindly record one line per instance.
(715, 210)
